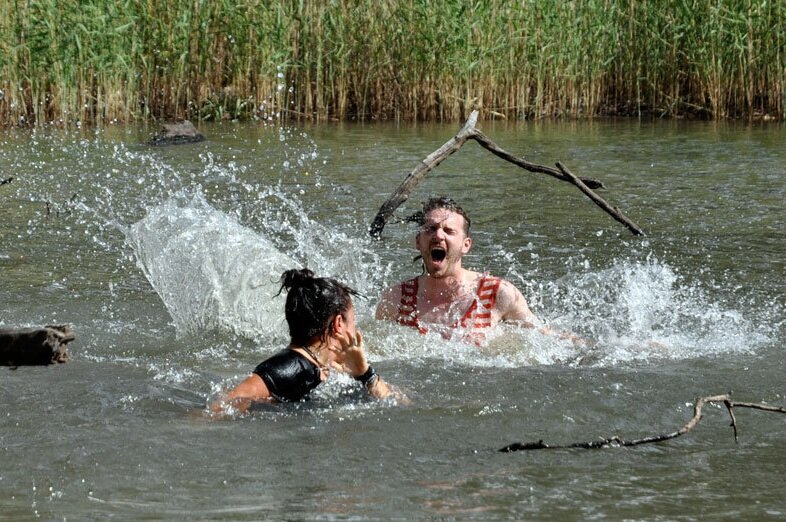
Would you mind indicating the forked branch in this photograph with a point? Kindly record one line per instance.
(616, 441)
(470, 132)
(419, 172)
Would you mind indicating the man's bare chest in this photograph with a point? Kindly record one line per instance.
(443, 310)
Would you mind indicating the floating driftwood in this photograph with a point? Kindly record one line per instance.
(470, 132)
(35, 346)
(616, 441)
(177, 133)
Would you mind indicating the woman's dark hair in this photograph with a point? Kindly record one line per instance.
(312, 303)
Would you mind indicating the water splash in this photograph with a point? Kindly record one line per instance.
(642, 310)
(214, 273)
(212, 236)
(210, 271)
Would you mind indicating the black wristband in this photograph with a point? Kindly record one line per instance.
(368, 376)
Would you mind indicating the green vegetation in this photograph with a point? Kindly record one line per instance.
(94, 61)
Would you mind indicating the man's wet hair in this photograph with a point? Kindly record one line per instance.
(445, 203)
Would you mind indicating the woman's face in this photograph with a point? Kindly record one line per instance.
(349, 319)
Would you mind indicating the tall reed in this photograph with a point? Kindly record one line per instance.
(95, 62)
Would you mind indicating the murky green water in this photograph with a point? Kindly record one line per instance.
(163, 260)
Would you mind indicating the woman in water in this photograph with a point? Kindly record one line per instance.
(323, 338)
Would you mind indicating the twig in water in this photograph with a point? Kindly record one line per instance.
(616, 441)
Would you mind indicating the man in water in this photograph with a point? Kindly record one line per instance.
(447, 296)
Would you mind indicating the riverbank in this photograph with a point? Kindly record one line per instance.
(71, 63)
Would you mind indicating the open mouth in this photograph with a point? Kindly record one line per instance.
(438, 254)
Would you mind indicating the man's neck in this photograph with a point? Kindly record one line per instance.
(451, 285)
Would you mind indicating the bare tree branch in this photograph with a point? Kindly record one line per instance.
(467, 132)
(419, 172)
(492, 147)
(616, 441)
(612, 211)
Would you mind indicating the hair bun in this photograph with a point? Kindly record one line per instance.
(296, 277)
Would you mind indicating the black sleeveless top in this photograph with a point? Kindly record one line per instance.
(288, 375)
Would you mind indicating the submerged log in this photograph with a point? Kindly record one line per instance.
(35, 346)
(470, 132)
(616, 441)
(177, 133)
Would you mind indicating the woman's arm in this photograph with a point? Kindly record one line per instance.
(252, 389)
(374, 384)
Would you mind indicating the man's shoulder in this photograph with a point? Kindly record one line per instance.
(507, 286)
(395, 290)
(391, 291)
(486, 278)
(507, 294)
(511, 304)
(387, 308)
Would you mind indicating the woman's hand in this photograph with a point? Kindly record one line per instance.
(354, 357)
(354, 362)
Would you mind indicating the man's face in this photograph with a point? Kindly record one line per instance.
(442, 242)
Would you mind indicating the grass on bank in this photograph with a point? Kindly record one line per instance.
(96, 62)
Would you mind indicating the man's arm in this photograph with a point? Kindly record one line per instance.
(513, 307)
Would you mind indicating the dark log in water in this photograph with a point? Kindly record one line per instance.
(467, 132)
(616, 441)
(35, 346)
(177, 133)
